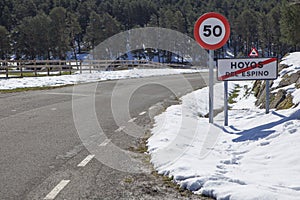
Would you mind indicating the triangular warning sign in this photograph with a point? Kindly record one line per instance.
(253, 53)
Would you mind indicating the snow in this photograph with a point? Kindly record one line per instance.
(256, 157)
(296, 96)
(293, 61)
(12, 83)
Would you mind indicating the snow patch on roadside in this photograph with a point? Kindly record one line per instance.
(256, 157)
(13, 83)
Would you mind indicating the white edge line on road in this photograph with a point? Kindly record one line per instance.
(142, 113)
(68, 94)
(132, 120)
(85, 161)
(104, 143)
(120, 129)
(62, 184)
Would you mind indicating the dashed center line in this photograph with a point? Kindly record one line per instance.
(104, 143)
(142, 113)
(132, 120)
(85, 161)
(120, 129)
(62, 184)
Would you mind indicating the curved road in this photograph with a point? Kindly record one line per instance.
(43, 155)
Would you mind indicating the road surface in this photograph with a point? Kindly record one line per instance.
(42, 136)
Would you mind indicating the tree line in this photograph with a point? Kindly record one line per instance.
(47, 29)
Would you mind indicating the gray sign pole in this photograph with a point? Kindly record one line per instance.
(267, 96)
(226, 103)
(206, 35)
(211, 86)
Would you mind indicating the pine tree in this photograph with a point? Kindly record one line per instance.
(4, 43)
(247, 29)
(94, 32)
(290, 25)
(32, 37)
(24, 8)
(74, 31)
(59, 34)
(6, 16)
(110, 25)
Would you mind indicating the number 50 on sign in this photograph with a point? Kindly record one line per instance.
(212, 31)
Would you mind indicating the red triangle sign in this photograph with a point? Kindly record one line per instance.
(253, 53)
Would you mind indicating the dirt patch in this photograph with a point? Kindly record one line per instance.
(151, 185)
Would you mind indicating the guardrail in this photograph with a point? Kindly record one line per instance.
(21, 68)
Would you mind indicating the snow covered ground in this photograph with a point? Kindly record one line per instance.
(293, 61)
(256, 157)
(13, 83)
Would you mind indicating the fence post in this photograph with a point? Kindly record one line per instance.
(59, 67)
(80, 67)
(35, 73)
(21, 68)
(48, 69)
(70, 67)
(6, 70)
(90, 66)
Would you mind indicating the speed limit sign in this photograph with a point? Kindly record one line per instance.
(212, 31)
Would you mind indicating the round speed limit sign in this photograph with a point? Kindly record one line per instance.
(212, 31)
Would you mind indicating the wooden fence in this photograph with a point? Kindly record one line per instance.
(21, 68)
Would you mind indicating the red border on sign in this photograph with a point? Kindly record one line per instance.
(197, 26)
(256, 52)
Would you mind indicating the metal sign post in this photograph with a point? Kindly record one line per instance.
(211, 86)
(225, 103)
(267, 96)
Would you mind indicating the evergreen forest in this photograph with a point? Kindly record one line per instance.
(48, 29)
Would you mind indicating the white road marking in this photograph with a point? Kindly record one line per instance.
(13, 110)
(53, 109)
(62, 184)
(142, 113)
(85, 161)
(92, 136)
(104, 143)
(120, 129)
(70, 94)
(132, 120)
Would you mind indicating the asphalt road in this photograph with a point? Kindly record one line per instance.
(46, 134)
